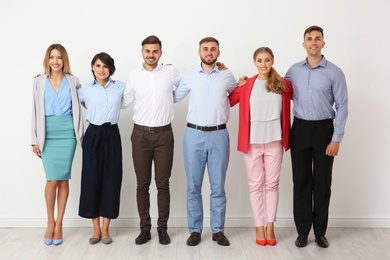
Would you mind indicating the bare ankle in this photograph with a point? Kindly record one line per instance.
(260, 234)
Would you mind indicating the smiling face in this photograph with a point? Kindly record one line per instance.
(209, 52)
(263, 62)
(101, 71)
(151, 54)
(313, 43)
(55, 61)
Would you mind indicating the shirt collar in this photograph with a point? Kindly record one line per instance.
(322, 63)
(159, 67)
(95, 83)
(200, 69)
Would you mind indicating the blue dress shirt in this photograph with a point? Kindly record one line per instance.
(317, 90)
(209, 103)
(103, 104)
(58, 103)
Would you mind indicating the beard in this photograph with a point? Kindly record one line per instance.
(211, 62)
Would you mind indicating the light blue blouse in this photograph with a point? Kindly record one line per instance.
(103, 104)
(58, 103)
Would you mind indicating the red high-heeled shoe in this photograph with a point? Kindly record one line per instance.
(261, 242)
(270, 242)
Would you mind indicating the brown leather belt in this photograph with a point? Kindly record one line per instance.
(207, 128)
(153, 130)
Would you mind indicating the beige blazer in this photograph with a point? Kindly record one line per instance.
(38, 127)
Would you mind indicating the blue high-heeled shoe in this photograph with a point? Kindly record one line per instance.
(57, 242)
(47, 241)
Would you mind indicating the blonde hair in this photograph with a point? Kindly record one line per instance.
(275, 82)
(65, 59)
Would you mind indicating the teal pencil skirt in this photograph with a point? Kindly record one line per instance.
(60, 145)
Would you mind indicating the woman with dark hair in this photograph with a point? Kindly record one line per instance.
(101, 177)
(56, 125)
(264, 129)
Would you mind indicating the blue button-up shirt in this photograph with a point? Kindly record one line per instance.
(103, 104)
(209, 103)
(316, 90)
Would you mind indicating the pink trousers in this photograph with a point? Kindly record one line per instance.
(263, 163)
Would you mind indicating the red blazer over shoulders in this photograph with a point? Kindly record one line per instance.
(242, 95)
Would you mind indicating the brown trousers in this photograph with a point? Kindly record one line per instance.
(150, 145)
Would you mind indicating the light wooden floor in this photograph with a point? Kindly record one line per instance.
(345, 243)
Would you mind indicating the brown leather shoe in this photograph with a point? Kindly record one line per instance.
(221, 239)
(194, 239)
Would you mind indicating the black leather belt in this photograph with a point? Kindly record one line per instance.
(153, 130)
(207, 128)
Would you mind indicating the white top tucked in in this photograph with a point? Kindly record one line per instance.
(153, 94)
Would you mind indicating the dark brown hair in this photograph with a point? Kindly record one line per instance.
(209, 39)
(152, 39)
(313, 28)
(106, 59)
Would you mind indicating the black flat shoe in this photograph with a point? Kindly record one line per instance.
(163, 237)
(301, 241)
(143, 237)
(322, 241)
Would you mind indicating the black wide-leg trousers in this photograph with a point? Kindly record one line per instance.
(101, 177)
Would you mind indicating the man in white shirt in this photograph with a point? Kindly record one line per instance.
(151, 87)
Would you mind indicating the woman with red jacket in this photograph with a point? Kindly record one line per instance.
(264, 130)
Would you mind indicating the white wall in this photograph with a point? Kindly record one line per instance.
(357, 40)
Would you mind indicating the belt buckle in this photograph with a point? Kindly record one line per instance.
(150, 130)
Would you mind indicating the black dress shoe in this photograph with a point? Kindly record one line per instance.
(322, 241)
(221, 239)
(194, 239)
(143, 237)
(301, 241)
(163, 237)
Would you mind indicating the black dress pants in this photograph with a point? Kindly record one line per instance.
(312, 174)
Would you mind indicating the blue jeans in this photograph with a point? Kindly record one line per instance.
(201, 148)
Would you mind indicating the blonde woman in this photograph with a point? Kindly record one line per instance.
(264, 130)
(56, 127)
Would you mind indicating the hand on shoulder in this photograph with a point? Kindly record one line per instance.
(242, 81)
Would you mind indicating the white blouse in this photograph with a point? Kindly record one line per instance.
(265, 111)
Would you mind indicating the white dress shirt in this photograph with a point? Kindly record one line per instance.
(153, 94)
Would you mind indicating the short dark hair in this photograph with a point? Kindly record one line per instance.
(209, 39)
(152, 39)
(106, 59)
(313, 28)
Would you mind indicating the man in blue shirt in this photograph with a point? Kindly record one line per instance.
(317, 131)
(206, 139)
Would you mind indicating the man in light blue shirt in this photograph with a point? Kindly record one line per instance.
(206, 139)
(318, 86)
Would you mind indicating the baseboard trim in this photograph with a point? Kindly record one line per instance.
(182, 222)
